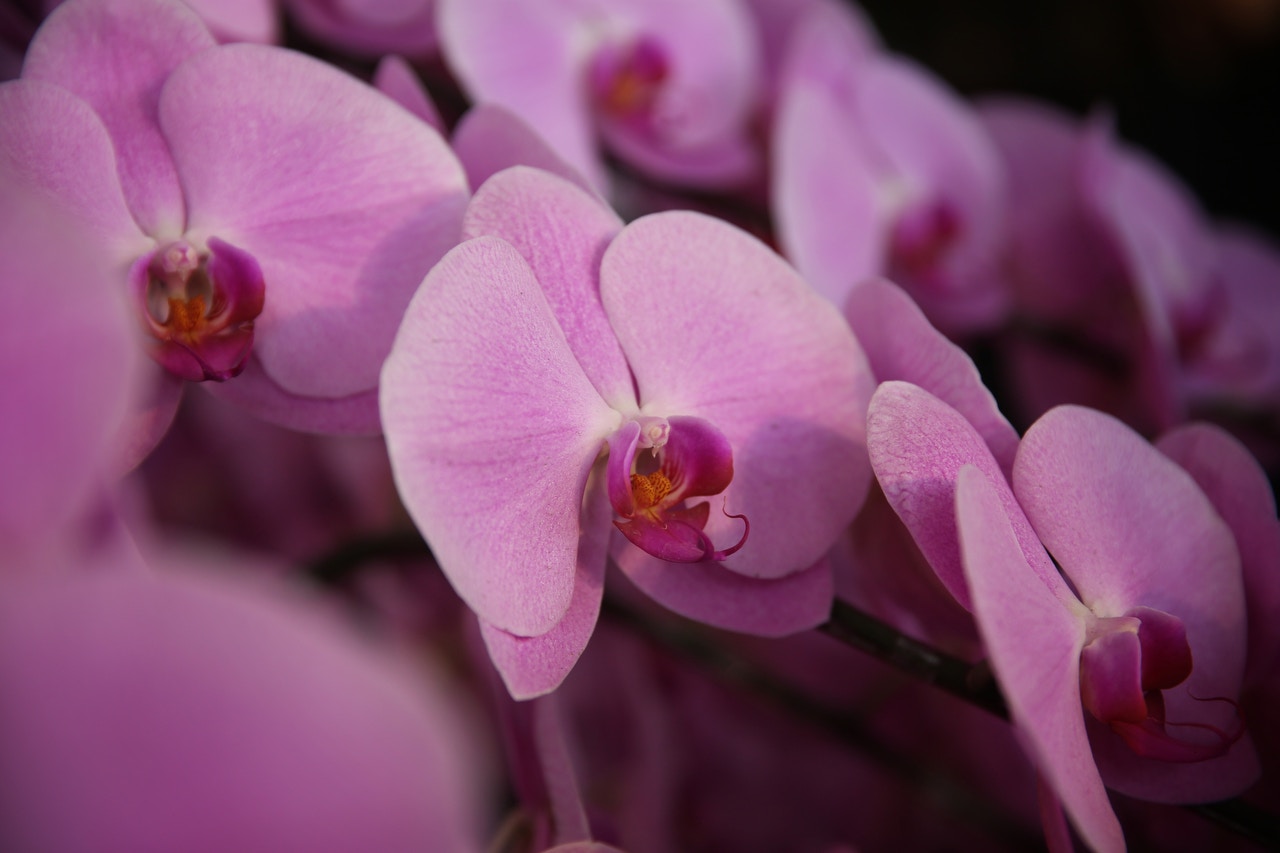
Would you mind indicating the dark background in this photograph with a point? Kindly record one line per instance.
(1195, 82)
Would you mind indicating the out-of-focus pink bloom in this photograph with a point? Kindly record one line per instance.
(670, 86)
(1235, 362)
(689, 351)
(1114, 270)
(185, 711)
(280, 250)
(879, 170)
(370, 27)
(69, 369)
(1146, 630)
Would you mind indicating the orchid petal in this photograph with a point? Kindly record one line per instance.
(257, 392)
(1237, 486)
(396, 79)
(825, 194)
(344, 217)
(1035, 644)
(918, 444)
(179, 711)
(721, 164)
(1130, 528)
(716, 326)
(706, 592)
(68, 369)
(901, 344)
(561, 231)
(941, 154)
(51, 142)
(490, 138)
(116, 55)
(240, 20)
(510, 421)
(371, 28)
(534, 666)
(519, 57)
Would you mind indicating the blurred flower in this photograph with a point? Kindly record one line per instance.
(193, 711)
(878, 169)
(370, 27)
(670, 86)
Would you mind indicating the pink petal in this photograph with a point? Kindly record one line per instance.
(492, 435)
(1239, 360)
(396, 79)
(519, 57)
(534, 666)
(1238, 488)
(179, 711)
(256, 392)
(711, 594)
(918, 444)
(824, 192)
(490, 138)
(69, 366)
(717, 326)
(901, 344)
(240, 20)
(52, 143)
(1061, 267)
(116, 55)
(940, 157)
(345, 216)
(562, 232)
(370, 28)
(722, 164)
(1130, 528)
(1034, 640)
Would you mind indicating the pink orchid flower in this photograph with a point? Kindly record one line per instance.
(192, 710)
(1107, 249)
(879, 170)
(1123, 667)
(669, 86)
(559, 377)
(269, 246)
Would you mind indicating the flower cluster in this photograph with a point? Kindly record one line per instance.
(589, 356)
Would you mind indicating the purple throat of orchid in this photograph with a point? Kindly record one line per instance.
(1126, 663)
(922, 238)
(199, 307)
(655, 465)
(626, 78)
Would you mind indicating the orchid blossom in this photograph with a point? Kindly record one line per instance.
(668, 85)
(559, 377)
(273, 257)
(879, 170)
(1123, 667)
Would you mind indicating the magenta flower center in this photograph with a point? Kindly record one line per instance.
(1124, 667)
(655, 465)
(626, 79)
(200, 307)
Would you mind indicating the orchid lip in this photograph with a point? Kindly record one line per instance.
(655, 465)
(1124, 667)
(199, 307)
